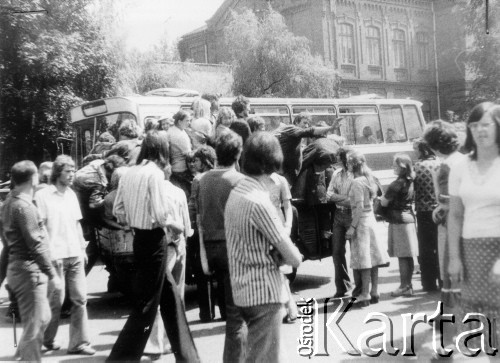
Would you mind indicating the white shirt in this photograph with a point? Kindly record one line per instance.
(180, 212)
(480, 195)
(61, 212)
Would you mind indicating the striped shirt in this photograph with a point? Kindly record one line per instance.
(252, 225)
(141, 199)
(341, 183)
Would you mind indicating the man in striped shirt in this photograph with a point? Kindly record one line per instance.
(254, 228)
(338, 192)
(143, 204)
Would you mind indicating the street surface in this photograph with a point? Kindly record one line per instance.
(108, 313)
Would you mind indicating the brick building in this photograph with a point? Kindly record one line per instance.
(385, 47)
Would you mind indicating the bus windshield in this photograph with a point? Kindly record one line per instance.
(87, 131)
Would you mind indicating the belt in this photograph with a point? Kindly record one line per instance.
(343, 209)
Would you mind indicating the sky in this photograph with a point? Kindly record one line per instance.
(146, 21)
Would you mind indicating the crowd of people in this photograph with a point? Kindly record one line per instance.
(212, 188)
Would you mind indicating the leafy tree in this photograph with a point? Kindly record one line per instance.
(482, 55)
(49, 62)
(269, 60)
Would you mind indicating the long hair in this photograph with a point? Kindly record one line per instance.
(406, 166)
(58, 166)
(201, 108)
(154, 148)
(476, 115)
(359, 168)
(225, 112)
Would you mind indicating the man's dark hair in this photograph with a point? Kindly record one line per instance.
(424, 151)
(228, 148)
(301, 116)
(207, 156)
(22, 172)
(213, 99)
(154, 148)
(59, 164)
(262, 154)
(179, 116)
(255, 122)
(129, 129)
(240, 104)
(113, 162)
(441, 136)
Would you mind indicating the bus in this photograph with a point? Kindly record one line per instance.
(91, 119)
(379, 128)
(392, 124)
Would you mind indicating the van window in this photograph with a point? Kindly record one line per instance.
(327, 114)
(393, 126)
(361, 125)
(412, 122)
(273, 115)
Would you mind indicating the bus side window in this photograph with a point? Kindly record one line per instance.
(412, 122)
(393, 126)
(368, 129)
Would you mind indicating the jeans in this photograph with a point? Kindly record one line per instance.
(263, 338)
(341, 224)
(154, 285)
(427, 233)
(72, 274)
(236, 329)
(30, 288)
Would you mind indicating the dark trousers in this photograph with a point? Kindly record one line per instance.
(341, 224)
(427, 234)
(154, 286)
(236, 329)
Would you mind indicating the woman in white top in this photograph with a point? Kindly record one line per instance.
(179, 146)
(474, 217)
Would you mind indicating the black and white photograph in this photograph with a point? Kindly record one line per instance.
(249, 181)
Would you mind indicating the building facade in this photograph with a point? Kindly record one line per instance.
(393, 48)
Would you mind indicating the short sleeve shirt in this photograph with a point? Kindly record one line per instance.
(480, 196)
(279, 192)
(62, 212)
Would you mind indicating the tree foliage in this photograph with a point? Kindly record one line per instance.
(49, 62)
(482, 55)
(269, 60)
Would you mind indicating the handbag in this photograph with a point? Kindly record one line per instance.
(381, 212)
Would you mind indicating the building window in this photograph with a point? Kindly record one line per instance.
(373, 44)
(423, 50)
(346, 37)
(399, 46)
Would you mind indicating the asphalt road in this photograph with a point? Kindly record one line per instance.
(108, 313)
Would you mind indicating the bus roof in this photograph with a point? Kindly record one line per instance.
(111, 105)
(321, 101)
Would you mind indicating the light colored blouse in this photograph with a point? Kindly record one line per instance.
(480, 195)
